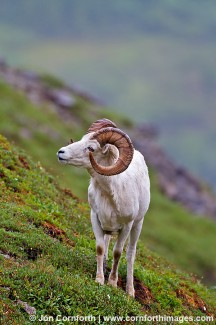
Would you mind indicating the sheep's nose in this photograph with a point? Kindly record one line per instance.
(61, 151)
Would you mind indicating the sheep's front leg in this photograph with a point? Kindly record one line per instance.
(100, 246)
(118, 248)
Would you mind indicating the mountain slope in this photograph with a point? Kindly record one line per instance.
(42, 126)
(47, 253)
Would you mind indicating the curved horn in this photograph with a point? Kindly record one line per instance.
(119, 139)
(100, 124)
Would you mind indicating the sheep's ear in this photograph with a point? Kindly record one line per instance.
(71, 141)
(105, 148)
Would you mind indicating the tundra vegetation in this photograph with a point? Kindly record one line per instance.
(47, 247)
(48, 256)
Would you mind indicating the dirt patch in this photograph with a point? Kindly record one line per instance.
(32, 253)
(24, 162)
(69, 193)
(142, 293)
(7, 312)
(55, 232)
(191, 299)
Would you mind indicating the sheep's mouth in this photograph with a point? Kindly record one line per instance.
(62, 159)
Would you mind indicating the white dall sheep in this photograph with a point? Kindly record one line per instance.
(119, 192)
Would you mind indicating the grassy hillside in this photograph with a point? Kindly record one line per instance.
(41, 130)
(186, 240)
(47, 253)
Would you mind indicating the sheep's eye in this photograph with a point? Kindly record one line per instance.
(90, 149)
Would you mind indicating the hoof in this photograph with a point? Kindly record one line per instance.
(112, 282)
(130, 291)
(99, 280)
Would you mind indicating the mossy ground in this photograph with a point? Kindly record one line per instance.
(48, 256)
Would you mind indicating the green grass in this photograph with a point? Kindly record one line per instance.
(47, 234)
(186, 240)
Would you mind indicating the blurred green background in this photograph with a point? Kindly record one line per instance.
(152, 60)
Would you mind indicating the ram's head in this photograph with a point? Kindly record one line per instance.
(94, 144)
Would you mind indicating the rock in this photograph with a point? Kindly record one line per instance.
(30, 310)
(29, 75)
(61, 97)
(5, 255)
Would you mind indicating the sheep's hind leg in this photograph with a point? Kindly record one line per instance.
(118, 248)
(113, 277)
(107, 241)
(131, 253)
